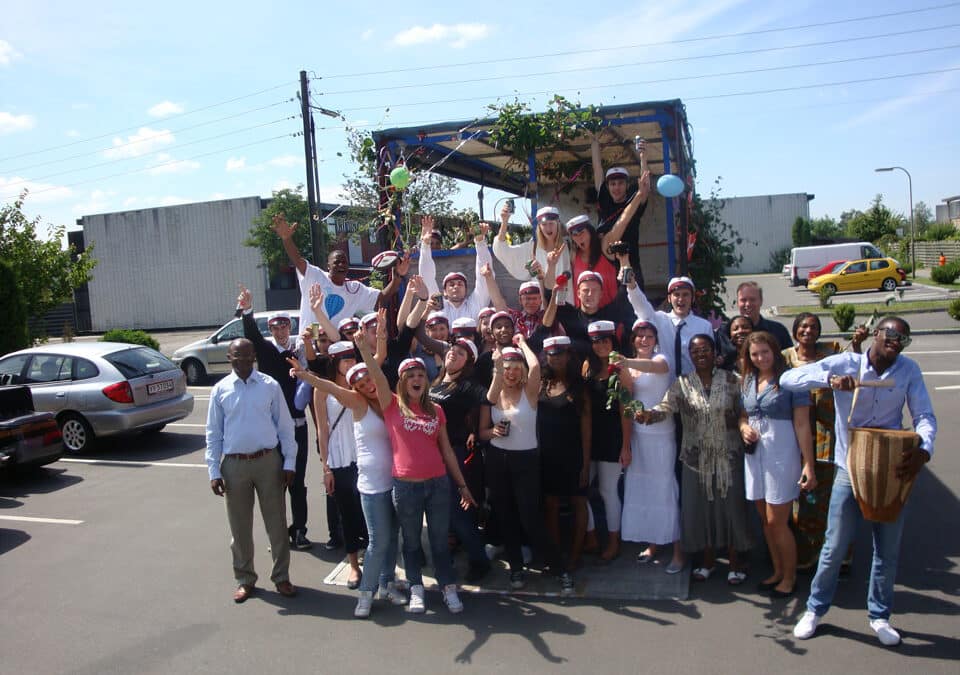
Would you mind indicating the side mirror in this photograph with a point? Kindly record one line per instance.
(214, 340)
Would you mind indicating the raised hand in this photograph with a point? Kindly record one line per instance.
(381, 323)
(486, 271)
(245, 299)
(426, 228)
(403, 266)
(482, 234)
(315, 294)
(296, 369)
(283, 229)
(643, 185)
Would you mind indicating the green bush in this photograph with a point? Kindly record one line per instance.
(953, 309)
(778, 259)
(946, 274)
(826, 297)
(133, 337)
(14, 334)
(940, 231)
(844, 315)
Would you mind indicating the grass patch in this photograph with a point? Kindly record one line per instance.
(868, 307)
(926, 281)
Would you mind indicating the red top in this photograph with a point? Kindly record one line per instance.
(415, 442)
(605, 269)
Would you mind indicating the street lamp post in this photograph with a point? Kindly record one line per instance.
(913, 229)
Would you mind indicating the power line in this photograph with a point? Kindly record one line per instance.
(137, 126)
(148, 138)
(172, 147)
(640, 63)
(764, 31)
(669, 79)
(150, 168)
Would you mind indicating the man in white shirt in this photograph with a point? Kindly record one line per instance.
(458, 303)
(342, 297)
(247, 419)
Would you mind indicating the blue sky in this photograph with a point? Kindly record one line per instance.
(109, 106)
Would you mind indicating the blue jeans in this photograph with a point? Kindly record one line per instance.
(842, 520)
(412, 500)
(380, 560)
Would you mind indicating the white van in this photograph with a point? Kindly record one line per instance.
(805, 259)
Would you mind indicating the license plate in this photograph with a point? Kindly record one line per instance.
(160, 387)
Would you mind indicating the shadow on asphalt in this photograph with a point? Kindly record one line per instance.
(33, 481)
(153, 447)
(10, 539)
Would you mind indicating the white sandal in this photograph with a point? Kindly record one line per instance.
(702, 573)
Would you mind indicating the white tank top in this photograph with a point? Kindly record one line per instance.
(374, 454)
(341, 446)
(523, 426)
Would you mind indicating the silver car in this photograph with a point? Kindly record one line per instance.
(98, 389)
(209, 355)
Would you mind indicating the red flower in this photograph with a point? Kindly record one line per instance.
(612, 368)
(561, 281)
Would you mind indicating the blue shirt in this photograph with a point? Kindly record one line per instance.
(876, 407)
(245, 417)
(775, 403)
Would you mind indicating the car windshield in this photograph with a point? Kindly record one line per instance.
(139, 361)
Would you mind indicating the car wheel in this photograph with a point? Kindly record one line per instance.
(76, 432)
(889, 284)
(830, 288)
(194, 371)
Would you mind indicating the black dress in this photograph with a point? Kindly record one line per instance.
(561, 449)
(606, 433)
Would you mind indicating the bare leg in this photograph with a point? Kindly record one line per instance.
(768, 536)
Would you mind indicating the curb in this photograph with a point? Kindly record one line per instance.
(913, 333)
(820, 311)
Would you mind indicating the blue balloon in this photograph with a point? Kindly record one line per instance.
(670, 186)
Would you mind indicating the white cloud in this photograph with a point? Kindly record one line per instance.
(171, 200)
(11, 187)
(8, 54)
(217, 196)
(367, 34)
(455, 35)
(166, 164)
(236, 164)
(130, 201)
(283, 184)
(145, 141)
(72, 133)
(10, 123)
(97, 201)
(285, 161)
(164, 109)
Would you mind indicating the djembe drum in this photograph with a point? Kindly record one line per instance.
(872, 459)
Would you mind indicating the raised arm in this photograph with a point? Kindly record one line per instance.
(616, 232)
(512, 257)
(384, 395)
(533, 369)
(316, 304)
(348, 398)
(381, 354)
(413, 292)
(285, 231)
(481, 293)
(493, 288)
(596, 161)
(426, 267)
(496, 382)
(397, 274)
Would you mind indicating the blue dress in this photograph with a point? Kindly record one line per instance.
(772, 472)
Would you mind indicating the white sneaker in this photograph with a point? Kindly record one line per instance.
(417, 603)
(364, 602)
(451, 599)
(391, 593)
(888, 636)
(492, 551)
(806, 626)
(527, 554)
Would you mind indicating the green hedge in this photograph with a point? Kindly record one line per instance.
(133, 337)
(844, 315)
(946, 274)
(953, 309)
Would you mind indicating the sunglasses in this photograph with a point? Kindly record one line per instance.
(895, 336)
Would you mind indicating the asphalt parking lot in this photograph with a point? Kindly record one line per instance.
(119, 562)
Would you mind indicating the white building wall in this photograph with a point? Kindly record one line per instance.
(764, 224)
(175, 266)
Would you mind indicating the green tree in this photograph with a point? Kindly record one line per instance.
(46, 273)
(845, 219)
(875, 223)
(801, 232)
(923, 217)
(292, 205)
(825, 228)
(13, 329)
(714, 251)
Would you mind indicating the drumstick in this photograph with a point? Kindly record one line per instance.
(871, 384)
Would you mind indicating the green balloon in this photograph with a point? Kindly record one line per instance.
(400, 177)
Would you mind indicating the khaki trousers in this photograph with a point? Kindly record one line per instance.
(242, 479)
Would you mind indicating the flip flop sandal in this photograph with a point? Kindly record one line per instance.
(736, 578)
(702, 573)
(644, 558)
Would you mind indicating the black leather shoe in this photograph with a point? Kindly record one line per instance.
(333, 543)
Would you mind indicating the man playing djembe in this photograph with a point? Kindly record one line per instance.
(878, 407)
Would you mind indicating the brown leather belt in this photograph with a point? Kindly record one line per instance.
(252, 455)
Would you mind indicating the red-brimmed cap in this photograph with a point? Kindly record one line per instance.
(616, 172)
(469, 346)
(454, 276)
(278, 318)
(341, 349)
(550, 212)
(578, 223)
(501, 315)
(511, 354)
(601, 329)
(557, 344)
(437, 317)
(530, 288)
(350, 323)
(680, 282)
(407, 364)
(356, 372)
(589, 275)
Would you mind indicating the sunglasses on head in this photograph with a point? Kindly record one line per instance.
(895, 336)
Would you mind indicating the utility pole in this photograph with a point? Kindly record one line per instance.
(310, 160)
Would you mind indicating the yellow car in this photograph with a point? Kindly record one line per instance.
(861, 275)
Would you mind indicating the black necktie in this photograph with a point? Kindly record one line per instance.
(678, 348)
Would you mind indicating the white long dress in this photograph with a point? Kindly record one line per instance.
(651, 496)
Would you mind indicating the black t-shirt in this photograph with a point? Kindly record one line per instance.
(461, 404)
(610, 211)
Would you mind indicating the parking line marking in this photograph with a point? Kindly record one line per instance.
(53, 521)
(124, 462)
(940, 372)
(940, 351)
(951, 387)
(187, 424)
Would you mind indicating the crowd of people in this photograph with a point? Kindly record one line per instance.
(494, 420)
